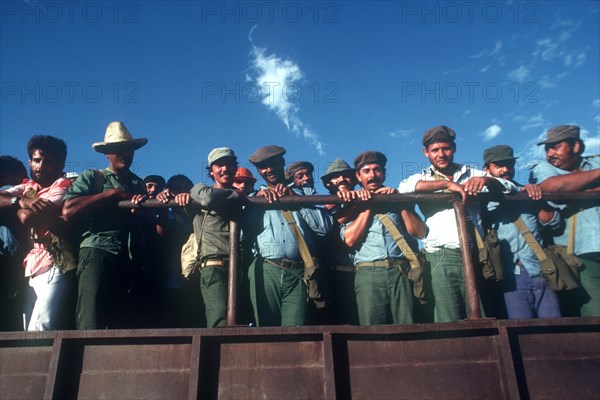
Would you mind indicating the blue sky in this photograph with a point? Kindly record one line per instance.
(323, 79)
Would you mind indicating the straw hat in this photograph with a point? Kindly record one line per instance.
(116, 137)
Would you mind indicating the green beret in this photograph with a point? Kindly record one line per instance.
(498, 153)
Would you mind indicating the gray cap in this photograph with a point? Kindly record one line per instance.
(296, 166)
(370, 157)
(501, 152)
(560, 133)
(218, 153)
(438, 134)
(335, 168)
(264, 153)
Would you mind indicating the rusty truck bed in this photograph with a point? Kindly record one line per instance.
(537, 359)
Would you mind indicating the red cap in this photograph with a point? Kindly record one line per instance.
(244, 174)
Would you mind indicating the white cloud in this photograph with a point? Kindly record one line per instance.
(534, 122)
(546, 49)
(596, 103)
(592, 143)
(401, 133)
(467, 112)
(519, 74)
(278, 79)
(491, 132)
(531, 152)
(485, 68)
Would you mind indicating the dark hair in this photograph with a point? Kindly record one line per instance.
(572, 141)
(179, 177)
(48, 144)
(12, 167)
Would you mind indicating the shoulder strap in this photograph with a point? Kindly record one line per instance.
(399, 239)
(571, 239)
(531, 241)
(99, 180)
(478, 237)
(300, 242)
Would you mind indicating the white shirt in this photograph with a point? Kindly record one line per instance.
(440, 219)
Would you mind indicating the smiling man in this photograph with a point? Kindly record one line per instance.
(105, 271)
(382, 287)
(220, 203)
(567, 170)
(277, 290)
(442, 246)
(526, 292)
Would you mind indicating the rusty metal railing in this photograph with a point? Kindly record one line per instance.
(454, 201)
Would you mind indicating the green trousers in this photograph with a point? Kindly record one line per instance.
(383, 296)
(448, 285)
(103, 280)
(344, 309)
(214, 282)
(590, 281)
(278, 295)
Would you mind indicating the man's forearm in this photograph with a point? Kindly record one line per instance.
(572, 182)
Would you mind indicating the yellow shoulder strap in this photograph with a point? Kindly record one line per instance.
(300, 242)
(534, 244)
(399, 239)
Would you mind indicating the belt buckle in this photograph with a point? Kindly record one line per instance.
(403, 265)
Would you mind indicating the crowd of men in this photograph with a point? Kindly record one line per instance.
(72, 258)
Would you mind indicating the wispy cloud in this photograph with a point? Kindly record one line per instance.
(534, 122)
(491, 132)
(402, 133)
(278, 76)
(519, 74)
(592, 142)
(467, 112)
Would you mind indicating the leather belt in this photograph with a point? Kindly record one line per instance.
(215, 263)
(285, 263)
(382, 263)
(345, 268)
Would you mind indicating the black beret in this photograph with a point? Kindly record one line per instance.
(370, 157)
(264, 153)
(438, 134)
(159, 180)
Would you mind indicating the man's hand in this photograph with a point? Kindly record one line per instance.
(456, 188)
(386, 190)
(43, 207)
(474, 185)
(533, 191)
(164, 196)
(182, 199)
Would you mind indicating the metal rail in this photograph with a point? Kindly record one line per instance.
(474, 312)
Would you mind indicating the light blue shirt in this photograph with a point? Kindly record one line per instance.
(587, 229)
(272, 236)
(378, 243)
(513, 246)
